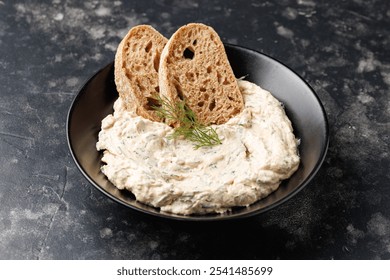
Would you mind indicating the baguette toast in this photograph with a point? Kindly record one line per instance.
(136, 70)
(194, 67)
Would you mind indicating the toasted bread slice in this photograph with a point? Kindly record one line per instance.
(136, 69)
(194, 67)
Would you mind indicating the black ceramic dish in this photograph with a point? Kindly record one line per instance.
(96, 98)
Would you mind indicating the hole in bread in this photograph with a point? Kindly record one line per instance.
(206, 97)
(128, 74)
(200, 104)
(219, 77)
(137, 68)
(209, 68)
(194, 42)
(188, 53)
(156, 62)
(202, 89)
(151, 103)
(179, 92)
(212, 105)
(226, 82)
(148, 46)
(157, 89)
(190, 76)
(139, 85)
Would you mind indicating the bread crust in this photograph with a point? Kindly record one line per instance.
(136, 69)
(194, 67)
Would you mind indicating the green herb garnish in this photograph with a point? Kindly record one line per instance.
(187, 123)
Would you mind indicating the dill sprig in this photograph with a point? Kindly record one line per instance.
(187, 123)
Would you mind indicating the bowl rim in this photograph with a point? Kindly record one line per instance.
(212, 217)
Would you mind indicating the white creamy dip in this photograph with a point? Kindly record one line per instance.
(258, 151)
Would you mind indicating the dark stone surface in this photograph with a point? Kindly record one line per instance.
(48, 210)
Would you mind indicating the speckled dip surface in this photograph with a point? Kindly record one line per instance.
(49, 211)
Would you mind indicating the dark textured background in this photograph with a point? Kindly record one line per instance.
(48, 210)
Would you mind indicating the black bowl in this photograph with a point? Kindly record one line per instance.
(303, 107)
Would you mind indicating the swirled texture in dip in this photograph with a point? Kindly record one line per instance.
(258, 151)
